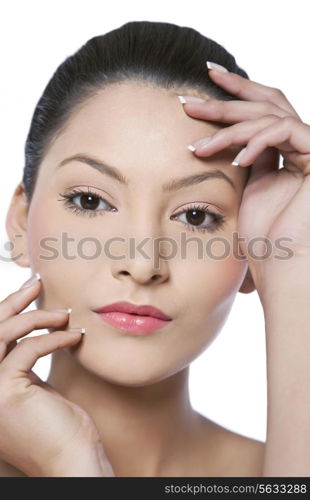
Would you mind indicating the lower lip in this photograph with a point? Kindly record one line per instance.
(132, 323)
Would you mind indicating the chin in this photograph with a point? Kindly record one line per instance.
(128, 370)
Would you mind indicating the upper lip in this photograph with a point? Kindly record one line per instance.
(127, 307)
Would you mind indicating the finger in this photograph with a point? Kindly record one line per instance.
(232, 111)
(287, 134)
(267, 162)
(22, 324)
(19, 300)
(250, 90)
(6, 348)
(22, 359)
(238, 134)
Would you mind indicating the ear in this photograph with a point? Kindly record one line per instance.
(248, 285)
(16, 226)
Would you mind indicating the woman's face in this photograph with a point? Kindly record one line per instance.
(88, 259)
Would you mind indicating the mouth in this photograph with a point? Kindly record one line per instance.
(130, 318)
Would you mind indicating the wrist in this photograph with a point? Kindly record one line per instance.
(82, 461)
(279, 281)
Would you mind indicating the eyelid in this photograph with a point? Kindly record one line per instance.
(184, 206)
(88, 186)
(67, 199)
(219, 220)
(211, 206)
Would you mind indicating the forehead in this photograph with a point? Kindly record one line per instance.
(135, 107)
(133, 125)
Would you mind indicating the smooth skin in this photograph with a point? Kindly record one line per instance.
(136, 389)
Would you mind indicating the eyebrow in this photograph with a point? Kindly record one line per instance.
(173, 185)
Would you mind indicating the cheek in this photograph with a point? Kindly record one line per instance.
(54, 235)
(54, 255)
(38, 232)
(210, 284)
(213, 270)
(207, 290)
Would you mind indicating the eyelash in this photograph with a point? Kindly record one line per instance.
(67, 199)
(219, 220)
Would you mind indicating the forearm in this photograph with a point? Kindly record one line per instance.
(286, 302)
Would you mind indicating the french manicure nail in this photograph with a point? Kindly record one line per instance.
(188, 99)
(79, 330)
(238, 158)
(33, 279)
(216, 67)
(67, 311)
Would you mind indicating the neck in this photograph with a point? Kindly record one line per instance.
(146, 431)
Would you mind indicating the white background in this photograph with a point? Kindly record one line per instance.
(270, 39)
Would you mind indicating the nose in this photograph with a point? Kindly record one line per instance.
(143, 262)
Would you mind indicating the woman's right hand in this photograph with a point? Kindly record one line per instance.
(41, 432)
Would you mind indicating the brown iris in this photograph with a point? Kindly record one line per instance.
(89, 201)
(195, 217)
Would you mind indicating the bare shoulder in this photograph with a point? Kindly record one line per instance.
(234, 455)
(7, 470)
(248, 454)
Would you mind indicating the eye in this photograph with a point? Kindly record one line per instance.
(195, 216)
(88, 203)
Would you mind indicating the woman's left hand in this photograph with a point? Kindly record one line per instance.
(275, 204)
(276, 201)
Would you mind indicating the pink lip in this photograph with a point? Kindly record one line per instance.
(133, 319)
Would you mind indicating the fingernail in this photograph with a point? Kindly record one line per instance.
(238, 158)
(31, 281)
(200, 143)
(79, 330)
(190, 99)
(67, 311)
(216, 67)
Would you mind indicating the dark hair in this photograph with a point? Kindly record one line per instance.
(164, 54)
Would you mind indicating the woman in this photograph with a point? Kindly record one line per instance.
(113, 134)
